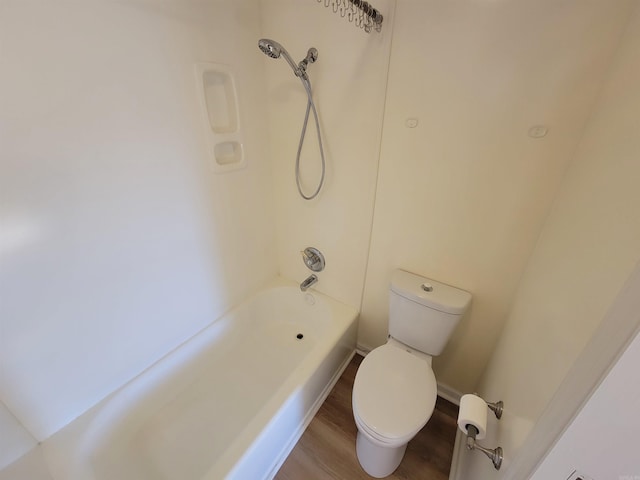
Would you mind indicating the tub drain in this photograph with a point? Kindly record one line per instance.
(299, 336)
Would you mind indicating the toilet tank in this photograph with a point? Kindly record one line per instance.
(422, 312)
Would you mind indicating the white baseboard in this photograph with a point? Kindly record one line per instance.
(448, 393)
(362, 350)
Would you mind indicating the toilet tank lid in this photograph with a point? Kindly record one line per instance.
(431, 293)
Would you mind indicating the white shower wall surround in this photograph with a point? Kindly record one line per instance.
(349, 83)
(119, 242)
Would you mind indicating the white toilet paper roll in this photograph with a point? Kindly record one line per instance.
(473, 411)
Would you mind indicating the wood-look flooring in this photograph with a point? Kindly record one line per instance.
(327, 449)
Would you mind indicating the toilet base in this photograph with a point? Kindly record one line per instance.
(378, 461)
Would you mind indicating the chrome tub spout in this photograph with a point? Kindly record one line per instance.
(307, 282)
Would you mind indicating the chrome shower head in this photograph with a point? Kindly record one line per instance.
(273, 49)
(270, 48)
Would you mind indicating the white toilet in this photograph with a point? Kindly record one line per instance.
(395, 390)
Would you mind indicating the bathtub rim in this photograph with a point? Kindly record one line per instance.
(68, 451)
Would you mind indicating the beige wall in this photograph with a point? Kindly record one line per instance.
(462, 197)
(588, 247)
(118, 240)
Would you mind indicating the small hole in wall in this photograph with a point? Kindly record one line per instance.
(299, 336)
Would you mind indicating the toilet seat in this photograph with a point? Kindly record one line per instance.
(394, 394)
(378, 439)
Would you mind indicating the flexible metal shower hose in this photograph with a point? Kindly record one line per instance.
(310, 106)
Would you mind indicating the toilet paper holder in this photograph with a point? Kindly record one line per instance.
(472, 431)
(495, 454)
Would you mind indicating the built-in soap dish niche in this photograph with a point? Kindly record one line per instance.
(219, 104)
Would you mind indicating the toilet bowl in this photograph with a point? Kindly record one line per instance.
(394, 395)
(395, 390)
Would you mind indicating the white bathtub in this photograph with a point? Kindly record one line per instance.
(230, 403)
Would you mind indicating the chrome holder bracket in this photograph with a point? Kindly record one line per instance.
(496, 408)
(495, 455)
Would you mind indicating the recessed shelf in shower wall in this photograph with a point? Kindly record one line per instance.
(219, 104)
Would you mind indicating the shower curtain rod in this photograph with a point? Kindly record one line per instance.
(358, 12)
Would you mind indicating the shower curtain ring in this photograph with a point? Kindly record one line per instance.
(361, 13)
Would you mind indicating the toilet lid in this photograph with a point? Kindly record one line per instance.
(394, 392)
